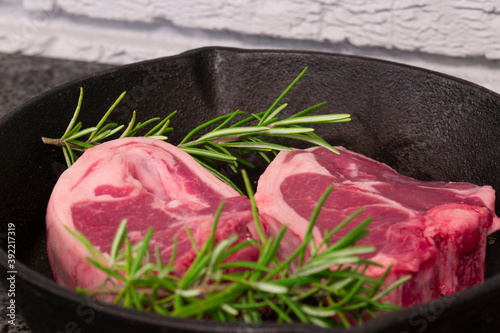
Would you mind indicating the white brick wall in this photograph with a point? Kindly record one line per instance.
(458, 37)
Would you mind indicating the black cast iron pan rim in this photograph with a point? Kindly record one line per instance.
(386, 320)
(270, 52)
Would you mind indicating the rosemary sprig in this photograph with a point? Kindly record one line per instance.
(324, 289)
(259, 132)
(222, 139)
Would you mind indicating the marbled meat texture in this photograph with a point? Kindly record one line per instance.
(435, 231)
(150, 183)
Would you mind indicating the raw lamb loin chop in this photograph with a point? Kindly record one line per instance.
(150, 183)
(434, 231)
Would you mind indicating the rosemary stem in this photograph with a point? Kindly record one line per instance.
(58, 142)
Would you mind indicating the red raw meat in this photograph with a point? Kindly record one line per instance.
(150, 183)
(434, 231)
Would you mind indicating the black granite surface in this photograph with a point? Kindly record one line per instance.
(21, 78)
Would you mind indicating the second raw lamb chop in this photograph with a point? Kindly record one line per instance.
(434, 231)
